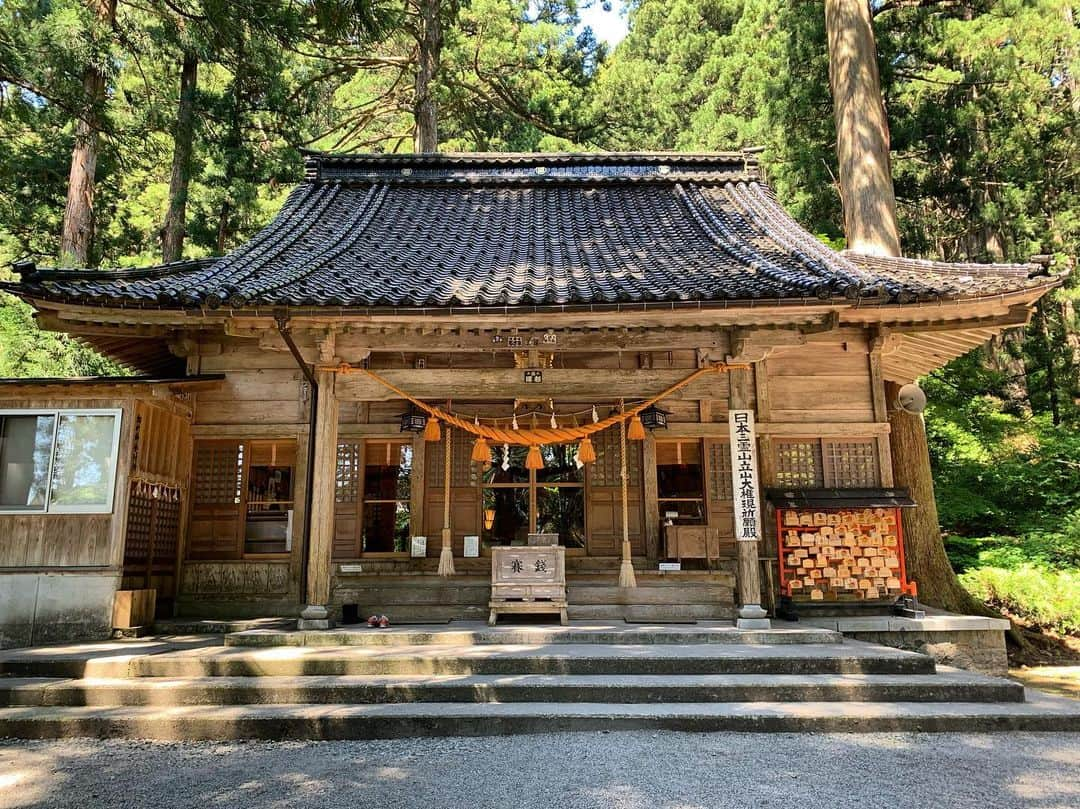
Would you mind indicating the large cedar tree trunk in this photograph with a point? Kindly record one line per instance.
(430, 41)
(862, 131)
(174, 228)
(862, 146)
(77, 234)
(924, 551)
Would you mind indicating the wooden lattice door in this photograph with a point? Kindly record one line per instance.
(604, 520)
(152, 539)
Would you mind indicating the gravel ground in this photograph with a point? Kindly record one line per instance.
(558, 771)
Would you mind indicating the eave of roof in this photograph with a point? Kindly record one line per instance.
(182, 382)
(449, 233)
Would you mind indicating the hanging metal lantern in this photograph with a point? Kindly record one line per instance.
(654, 418)
(413, 421)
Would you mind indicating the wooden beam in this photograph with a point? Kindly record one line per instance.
(508, 383)
(433, 341)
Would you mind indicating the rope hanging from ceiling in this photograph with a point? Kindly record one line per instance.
(534, 437)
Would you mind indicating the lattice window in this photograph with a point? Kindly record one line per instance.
(167, 533)
(606, 470)
(851, 464)
(219, 472)
(153, 532)
(139, 528)
(798, 464)
(463, 472)
(347, 489)
(719, 471)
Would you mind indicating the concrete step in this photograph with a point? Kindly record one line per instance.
(210, 626)
(947, 686)
(495, 659)
(337, 721)
(474, 634)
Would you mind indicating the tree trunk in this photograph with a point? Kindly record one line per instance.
(77, 234)
(862, 131)
(924, 551)
(174, 227)
(425, 112)
(862, 146)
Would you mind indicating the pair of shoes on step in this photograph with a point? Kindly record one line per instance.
(380, 621)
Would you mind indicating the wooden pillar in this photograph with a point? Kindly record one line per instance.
(881, 412)
(316, 615)
(417, 485)
(750, 613)
(652, 497)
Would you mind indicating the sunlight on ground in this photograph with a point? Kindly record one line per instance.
(1063, 681)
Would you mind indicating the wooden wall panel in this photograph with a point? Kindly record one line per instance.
(819, 382)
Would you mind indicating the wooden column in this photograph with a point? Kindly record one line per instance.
(316, 615)
(652, 504)
(417, 485)
(881, 412)
(750, 614)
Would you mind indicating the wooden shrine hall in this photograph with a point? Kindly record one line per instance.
(426, 358)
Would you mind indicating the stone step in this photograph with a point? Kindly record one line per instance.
(336, 721)
(465, 634)
(210, 626)
(643, 613)
(495, 659)
(705, 594)
(947, 686)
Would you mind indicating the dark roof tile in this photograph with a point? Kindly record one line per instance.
(529, 230)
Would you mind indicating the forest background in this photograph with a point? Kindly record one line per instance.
(197, 110)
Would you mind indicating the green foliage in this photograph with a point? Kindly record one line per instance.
(1046, 598)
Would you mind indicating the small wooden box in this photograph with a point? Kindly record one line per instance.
(530, 579)
(132, 608)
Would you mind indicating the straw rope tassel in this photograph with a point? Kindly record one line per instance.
(446, 555)
(626, 569)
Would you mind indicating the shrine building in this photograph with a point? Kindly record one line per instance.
(424, 358)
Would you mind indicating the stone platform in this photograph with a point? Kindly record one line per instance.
(473, 680)
(972, 642)
(469, 633)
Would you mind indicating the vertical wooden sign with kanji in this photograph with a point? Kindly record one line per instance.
(744, 471)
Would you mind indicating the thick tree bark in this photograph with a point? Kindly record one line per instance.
(425, 112)
(174, 227)
(77, 235)
(924, 551)
(862, 131)
(862, 146)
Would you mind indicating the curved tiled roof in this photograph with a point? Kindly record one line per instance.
(526, 230)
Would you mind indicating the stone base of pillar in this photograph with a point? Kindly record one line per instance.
(752, 616)
(314, 616)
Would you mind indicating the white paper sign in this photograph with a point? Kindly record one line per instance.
(744, 471)
(472, 545)
(419, 547)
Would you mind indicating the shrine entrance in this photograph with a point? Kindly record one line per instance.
(518, 501)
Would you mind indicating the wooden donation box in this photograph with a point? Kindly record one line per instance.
(841, 545)
(528, 579)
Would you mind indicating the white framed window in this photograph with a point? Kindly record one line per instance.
(58, 461)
